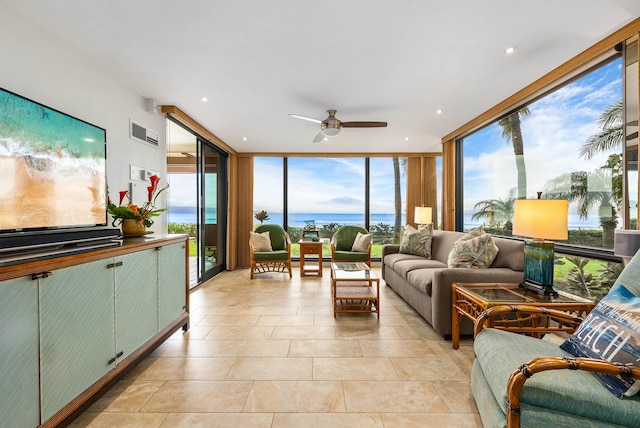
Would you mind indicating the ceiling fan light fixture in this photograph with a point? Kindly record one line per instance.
(331, 131)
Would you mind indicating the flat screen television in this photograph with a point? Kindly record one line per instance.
(52, 170)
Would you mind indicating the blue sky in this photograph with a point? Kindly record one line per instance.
(553, 133)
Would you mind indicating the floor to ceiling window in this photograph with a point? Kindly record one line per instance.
(566, 144)
(326, 193)
(196, 199)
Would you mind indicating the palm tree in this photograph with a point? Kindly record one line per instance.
(511, 130)
(610, 137)
(497, 211)
(590, 190)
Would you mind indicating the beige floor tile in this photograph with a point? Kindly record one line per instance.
(400, 348)
(218, 420)
(119, 420)
(271, 369)
(428, 369)
(228, 320)
(303, 332)
(296, 396)
(327, 420)
(186, 348)
(325, 348)
(194, 333)
(433, 420)
(393, 396)
(457, 395)
(271, 310)
(188, 369)
(199, 396)
(253, 348)
(250, 332)
(353, 369)
(126, 396)
(366, 332)
(288, 320)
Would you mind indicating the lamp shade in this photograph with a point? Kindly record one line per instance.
(423, 215)
(541, 218)
(626, 243)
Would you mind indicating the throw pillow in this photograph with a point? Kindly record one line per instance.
(261, 241)
(611, 332)
(417, 241)
(361, 243)
(474, 250)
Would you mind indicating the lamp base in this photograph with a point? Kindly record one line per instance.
(546, 291)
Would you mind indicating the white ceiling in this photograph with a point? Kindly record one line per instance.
(396, 61)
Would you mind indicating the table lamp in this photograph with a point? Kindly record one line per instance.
(423, 215)
(626, 244)
(540, 219)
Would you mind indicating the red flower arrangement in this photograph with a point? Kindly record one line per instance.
(144, 212)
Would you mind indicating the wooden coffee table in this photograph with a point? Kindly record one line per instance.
(352, 288)
(308, 248)
(471, 299)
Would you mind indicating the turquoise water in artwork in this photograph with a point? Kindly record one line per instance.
(28, 128)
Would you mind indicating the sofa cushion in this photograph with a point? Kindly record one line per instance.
(611, 332)
(499, 353)
(260, 241)
(511, 254)
(417, 241)
(362, 242)
(474, 250)
(403, 267)
(422, 279)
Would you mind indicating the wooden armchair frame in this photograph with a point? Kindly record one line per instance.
(279, 265)
(537, 365)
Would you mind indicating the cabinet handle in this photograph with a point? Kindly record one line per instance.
(111, 361)
(35, 276)
(112, 265)
(119, 354)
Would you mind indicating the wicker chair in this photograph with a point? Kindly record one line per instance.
(277, 260)
(518, 380)
(342, 242)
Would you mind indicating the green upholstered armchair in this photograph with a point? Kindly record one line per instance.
(342, 242)
(277, 260)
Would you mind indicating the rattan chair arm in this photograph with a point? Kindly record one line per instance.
(481, 321)
(537, 365)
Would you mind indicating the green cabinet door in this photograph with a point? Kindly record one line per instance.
(20, 402)
(172, 274)
(76, 332)
(136, 307)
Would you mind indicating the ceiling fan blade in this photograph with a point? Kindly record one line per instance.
(310, 119)
(320, 137)
(364, 124)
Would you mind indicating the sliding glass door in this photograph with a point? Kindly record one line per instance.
(197, 200)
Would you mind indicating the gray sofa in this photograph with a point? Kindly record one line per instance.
(425, 284)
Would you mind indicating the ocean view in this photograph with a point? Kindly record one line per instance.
(300, 219)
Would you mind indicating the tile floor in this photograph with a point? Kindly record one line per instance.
(268, 353)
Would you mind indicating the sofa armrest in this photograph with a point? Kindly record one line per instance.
(390, 249)
(537, 365)
(521, 317)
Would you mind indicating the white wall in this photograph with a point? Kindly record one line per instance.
(37, 66)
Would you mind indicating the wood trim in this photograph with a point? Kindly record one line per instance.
(448, 185)
(545, 81)
(343, 155)
(232, 214)
(415, 191)
(190, 123)
(244, 210)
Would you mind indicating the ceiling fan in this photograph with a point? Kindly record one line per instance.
(331, 126)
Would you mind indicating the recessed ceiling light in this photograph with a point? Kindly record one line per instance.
(204, 99)
(406, 138)
(244, 138)
(510, 50)
(439, 111)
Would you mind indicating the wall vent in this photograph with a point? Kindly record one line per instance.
(140, 133)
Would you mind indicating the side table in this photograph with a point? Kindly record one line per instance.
(471, 299)
(308, 248)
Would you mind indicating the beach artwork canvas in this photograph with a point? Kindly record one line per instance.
(52, 168)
